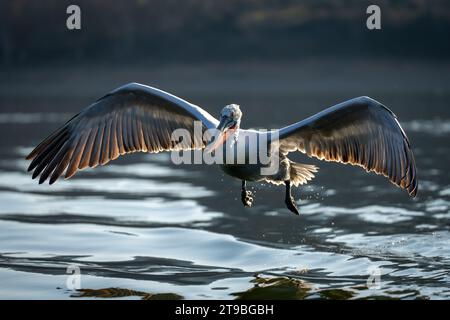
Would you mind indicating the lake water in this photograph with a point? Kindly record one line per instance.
(142, 227)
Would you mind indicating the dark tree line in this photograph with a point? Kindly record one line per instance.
(35, 31)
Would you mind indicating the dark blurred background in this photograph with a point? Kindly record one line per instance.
(199, 30)
(282, 61)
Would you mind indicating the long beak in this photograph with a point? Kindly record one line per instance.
(221, 137)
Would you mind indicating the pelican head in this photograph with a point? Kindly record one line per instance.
(230, 120)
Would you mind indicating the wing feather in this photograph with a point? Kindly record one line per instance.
(78, 152)
(104, 155)
(113, 147)
(95, 155)
(120, 135)
(84, 162)
(54, 162)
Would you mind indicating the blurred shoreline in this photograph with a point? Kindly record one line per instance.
(200, 30)
(311, 73)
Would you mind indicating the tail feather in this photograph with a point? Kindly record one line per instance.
(301, 173)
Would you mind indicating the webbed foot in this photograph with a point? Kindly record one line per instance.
(246, 196)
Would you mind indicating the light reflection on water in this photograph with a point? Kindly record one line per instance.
(145, 225)
(113, 228)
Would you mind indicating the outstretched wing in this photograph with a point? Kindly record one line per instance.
(361, 132)
(131, 118)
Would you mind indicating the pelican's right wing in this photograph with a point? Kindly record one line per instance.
(131, 118)
(361, 132)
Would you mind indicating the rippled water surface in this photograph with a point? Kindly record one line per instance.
(141, 227)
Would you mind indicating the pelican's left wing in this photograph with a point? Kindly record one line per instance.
(131, 118)
(361, 132)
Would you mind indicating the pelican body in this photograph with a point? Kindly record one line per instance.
(139, 118)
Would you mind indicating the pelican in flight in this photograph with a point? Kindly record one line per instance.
(136, 117)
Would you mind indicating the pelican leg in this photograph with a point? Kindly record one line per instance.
(246, 196)
(289, 199)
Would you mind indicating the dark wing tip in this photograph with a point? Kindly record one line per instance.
(411, 171)
(30, 167)
(413, 193)
(53, 180)
(414, 187)
(47, 155)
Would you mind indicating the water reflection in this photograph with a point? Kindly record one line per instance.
(143, 228)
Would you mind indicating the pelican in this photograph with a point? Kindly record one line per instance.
(136, 117)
